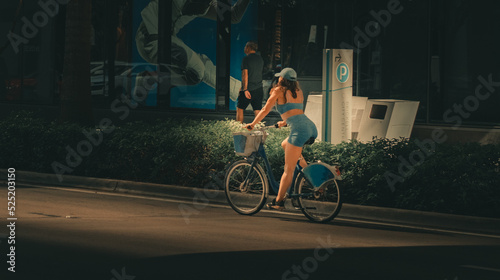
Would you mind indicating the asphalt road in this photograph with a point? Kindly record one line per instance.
(78, 234)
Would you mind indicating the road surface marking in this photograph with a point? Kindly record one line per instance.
(481, 268)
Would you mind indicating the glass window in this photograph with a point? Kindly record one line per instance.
(467, 58)
(111, 41)
(27, 70)
(247, 29)
(193, 54)
(190, 68)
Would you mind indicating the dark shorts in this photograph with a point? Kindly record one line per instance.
(256, 101)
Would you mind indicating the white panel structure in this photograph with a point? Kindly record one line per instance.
(387, 118)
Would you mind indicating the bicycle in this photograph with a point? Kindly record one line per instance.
(314, 189)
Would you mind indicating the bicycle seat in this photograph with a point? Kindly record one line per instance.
(310, 141)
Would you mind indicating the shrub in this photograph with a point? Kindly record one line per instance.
(453, 178)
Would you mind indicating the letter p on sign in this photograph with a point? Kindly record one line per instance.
(342, 72)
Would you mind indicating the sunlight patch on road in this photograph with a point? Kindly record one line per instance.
(298, 214)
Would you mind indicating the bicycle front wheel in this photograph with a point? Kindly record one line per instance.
(246, 187)
(320, 204)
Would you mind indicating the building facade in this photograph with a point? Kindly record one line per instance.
(185, 55)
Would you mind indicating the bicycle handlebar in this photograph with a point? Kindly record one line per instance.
(266, 127)
(276, 125)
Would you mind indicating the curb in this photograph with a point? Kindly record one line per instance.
(471, 224)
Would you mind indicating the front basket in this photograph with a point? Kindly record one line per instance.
(245, 143)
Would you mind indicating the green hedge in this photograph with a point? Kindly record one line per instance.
(449, 178)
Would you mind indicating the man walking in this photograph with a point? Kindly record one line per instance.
(251, 91)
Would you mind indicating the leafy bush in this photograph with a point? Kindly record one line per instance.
(450, 178)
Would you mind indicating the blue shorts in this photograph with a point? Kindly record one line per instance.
(302, 129)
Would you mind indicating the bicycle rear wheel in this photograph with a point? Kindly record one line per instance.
(246, 187)
(320, 204)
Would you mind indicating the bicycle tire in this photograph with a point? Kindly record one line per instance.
(321, 204)
(246, 199)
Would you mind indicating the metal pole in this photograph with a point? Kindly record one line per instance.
(326, 97)
(223, 59)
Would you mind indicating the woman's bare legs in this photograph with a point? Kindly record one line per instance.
(292, 155)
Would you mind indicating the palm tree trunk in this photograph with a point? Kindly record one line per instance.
(76, 103)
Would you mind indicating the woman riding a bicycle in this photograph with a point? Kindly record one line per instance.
(289, 100)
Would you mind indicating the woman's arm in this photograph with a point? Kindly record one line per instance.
(267, 108)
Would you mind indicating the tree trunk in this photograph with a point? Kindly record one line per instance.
(76, 103)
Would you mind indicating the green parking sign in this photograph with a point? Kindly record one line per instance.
(342, 72)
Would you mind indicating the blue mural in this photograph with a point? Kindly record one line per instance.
(194, 34)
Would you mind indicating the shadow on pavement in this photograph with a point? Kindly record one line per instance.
(39, 261)
(327, 263)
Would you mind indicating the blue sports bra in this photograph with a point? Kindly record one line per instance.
(283, 108)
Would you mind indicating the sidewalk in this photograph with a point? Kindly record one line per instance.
(349, 211)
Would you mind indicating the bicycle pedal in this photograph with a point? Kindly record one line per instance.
(295, 203)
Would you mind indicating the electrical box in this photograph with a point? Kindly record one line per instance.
(387, 118)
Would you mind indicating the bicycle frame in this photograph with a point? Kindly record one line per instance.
(261, 152)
